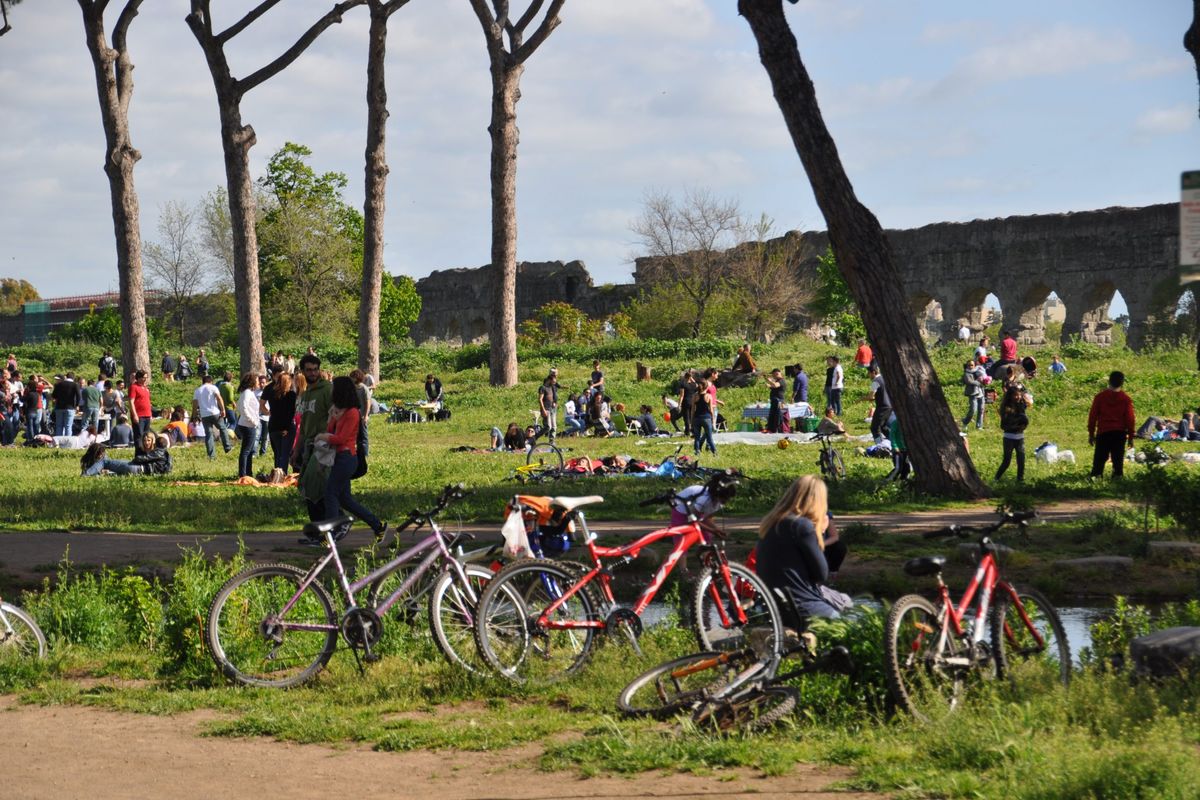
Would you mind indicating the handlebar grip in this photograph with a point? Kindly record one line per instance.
(941, 533)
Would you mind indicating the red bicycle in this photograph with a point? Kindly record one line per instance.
(933, 649)
(538, 619)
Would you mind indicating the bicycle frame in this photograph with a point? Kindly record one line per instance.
(433, 547)
(690, 535)
(986, 581)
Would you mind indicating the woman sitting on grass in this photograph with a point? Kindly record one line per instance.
(513, 439)
(152, 458)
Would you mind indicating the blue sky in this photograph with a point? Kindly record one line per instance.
(941, 111)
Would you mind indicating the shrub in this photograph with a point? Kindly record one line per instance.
(103, 611)
(1173, 491)
(1111, 635)
(196, 581)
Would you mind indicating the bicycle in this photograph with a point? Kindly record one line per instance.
(932, 649)
(20, 636)
(830, 460)
(538, 618)
(275, 625)
(730, 690)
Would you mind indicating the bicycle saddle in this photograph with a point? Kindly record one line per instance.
(572, 503)
(925, 565)
(317, 530)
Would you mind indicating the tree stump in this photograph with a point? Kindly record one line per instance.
(643, 372)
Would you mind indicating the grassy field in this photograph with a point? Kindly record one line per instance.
(410, 463)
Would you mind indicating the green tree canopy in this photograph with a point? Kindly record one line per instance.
(14, 292)
(399, 307)
(834, 303)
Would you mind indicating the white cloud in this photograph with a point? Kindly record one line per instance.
(1159, 67)
(676, 19)
(842, 14)
(1058, 50)
(868, 98)
(958, 31)
(1166, 121)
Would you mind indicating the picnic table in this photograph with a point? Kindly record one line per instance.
(763, 410)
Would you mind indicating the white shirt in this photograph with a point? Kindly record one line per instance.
(980, 352)
(208, 400)
(964, 333)
(839, 381)
(248, 409)
(704, 504)
(569, 408)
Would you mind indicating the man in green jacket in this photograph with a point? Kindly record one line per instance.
(313, 407)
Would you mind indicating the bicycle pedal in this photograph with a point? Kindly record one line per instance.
(371, 658)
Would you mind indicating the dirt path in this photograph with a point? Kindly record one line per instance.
(78, 752)
(27, 556)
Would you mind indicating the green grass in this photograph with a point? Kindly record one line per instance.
(411, 462)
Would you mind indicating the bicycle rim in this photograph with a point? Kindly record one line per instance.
(755, 710)
(838, 467)
(677, 685)
(1014, 644)
(452, 615)
(714, 610)
(919, 678)
(253, 643)
(506, 632)
(20, 636)
(547, 455)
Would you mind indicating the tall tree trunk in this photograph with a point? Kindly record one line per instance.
(865, 258)
(1191, 39)
(506, 80)
(236, 141)
(376, 192)
(114, 87)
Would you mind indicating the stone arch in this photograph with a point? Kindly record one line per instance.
(1087, 313)
(477, 329)
(453, 330)
(929, 313)
(1148, 306)
(1023, 312)
(965, 308)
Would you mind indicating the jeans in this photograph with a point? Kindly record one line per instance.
(702, 432)
(91, 416)
(337, 492)
(281, 446)
(775, 418)
(211, 425)
(879, 423)
(1013, 446)
(114, 465)
(246, 454)
(9, 423)
(1109, 445)
(975, 409)
(262, 437)
(575, 424)
(141, 428)
(835, 401)
(64, 421)
(33, 423)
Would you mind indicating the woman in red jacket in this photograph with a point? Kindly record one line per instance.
(342, 436)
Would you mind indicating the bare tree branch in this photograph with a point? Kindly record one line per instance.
(333, 17)
(549, 23)
(529, 14)
(246, 21)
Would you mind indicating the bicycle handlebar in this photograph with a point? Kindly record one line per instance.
(654, 501)
(452, 492)
(1018, 518)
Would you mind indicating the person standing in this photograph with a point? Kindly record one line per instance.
(342, 435)
(140, 410)
(209, 408)
(687, 400)
(248, 419)
(183, 369)
(313, 407)
(433, 396)
(799, 384)
(1110, 426)
(863, 357)
(90, 400)
(835, 382)
(548, 405)
(702, 418)
(35, 406)
(168, 367)
(981, 352)
(201, 363)
(107, 365)
(280, 398)
(972, 380)
(775, 384)
(66, 399)
(225, 387)
(596, 384)
(263, 411)
(1014, 419)
(883, 405)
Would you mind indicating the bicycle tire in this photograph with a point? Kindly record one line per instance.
(452, 615)
(515, 596)
(761, 610)
(545, 454)
(659, 694)
(242, 630)
(753, 711)
(916, 681)
(26, 639)
(1011, 637)
(837, 466)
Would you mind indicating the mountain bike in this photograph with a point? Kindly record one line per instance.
(933, 650)
(276, 625)
(538, 619)
(742, 689)
(830, 460)
(20, 636)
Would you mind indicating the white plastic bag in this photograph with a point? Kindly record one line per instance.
(1067, 456)
(516, 541)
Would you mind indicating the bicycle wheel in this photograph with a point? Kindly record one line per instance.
(20, 636)
(714, 616)
(678, 685)
(1013, 641)
(256, 643)
(919, 678)
(545, 454)
(452, 614)
(837, 467)
(506, 630)
(753, 711)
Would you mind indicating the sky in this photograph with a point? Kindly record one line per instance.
(941, 111)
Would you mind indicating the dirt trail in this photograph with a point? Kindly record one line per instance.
(27, 556)
(78, 752)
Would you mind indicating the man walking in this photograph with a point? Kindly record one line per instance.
(313, 407)
(548, 404)
(209, 408)
(1110, 426)
(883, 405)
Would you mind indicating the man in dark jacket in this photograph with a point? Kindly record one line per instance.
(66, 399)
(1110, 425)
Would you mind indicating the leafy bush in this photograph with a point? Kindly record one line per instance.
(841, 697)
(1173, 490)
(103, 611)
(192, 589)
(1111, 635)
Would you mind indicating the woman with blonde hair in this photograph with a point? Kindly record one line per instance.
(791, 546)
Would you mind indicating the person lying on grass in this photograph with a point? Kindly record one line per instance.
(152, 458)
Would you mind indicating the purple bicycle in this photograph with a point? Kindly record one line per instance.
(276, 625)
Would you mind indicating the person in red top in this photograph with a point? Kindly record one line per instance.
(342, 436)
(1110, 426)
(140, 411)
(863, 356)
(1008, 348)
